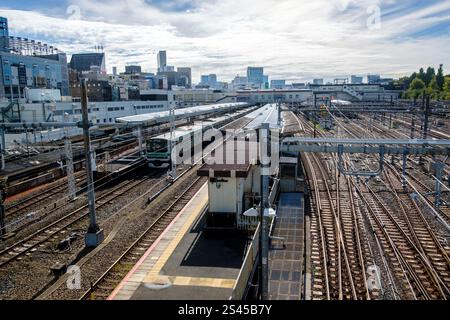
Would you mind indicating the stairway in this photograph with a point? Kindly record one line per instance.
(349, 90)
(11, 113)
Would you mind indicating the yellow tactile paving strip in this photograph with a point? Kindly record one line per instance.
(154, 276)
(189, 281)
(149, 271)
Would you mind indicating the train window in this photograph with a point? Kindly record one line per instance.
(157, 146)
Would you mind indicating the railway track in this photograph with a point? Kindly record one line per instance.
(34, 201)
(415, 255)
(338, 256)
(108, 281)
(67, 222)
(407, 261)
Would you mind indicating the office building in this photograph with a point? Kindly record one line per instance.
(4, 35)
(277, 84)
(162, 60)
(255, 75)
(373, 78)
(83, 62)
(209, 81)
(26, 63)
(318, 81)
(133, 69)
(184, 77)
(356, 79)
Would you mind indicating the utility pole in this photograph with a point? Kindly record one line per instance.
(426, 118)
(94, 235)
(69, 163)
(2, 147)
(279, 112)
(264, 206)
(3, 182)
(315, 116)
(439, 167)
(140, 140)
(173, 158)
(413, 118)
(426, 104)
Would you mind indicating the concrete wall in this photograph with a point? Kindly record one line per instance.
(222, 196)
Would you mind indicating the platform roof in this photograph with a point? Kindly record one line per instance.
(267, 114)
(164, 116)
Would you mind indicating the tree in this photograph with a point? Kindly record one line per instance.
(440, 77)
(416, 88)
(433, 88)
(404, 83)
(446, 93)
(422, 76)
(429, 75)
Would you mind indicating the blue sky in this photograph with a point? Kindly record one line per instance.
(294, 39)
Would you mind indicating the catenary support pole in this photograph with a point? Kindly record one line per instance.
(264, 234)
(94, 235)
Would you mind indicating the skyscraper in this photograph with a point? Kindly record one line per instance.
(4, 35)
(255, 75)
(184, 77)
(162, 60)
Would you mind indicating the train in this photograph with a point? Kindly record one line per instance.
(158, 148)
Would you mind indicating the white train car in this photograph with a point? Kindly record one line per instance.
(158, 148)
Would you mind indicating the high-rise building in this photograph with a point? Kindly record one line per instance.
(83, 62)
(356, 79)
(318, 81)
(277, 84)
(4, 35)
(115, 71)
(255, 75)
(171, 78)
(373, 78)
(209, 80)
(162, 60)
(133, 69)
(26, 63)
(184, 77)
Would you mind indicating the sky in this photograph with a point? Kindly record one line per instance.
(296, 40)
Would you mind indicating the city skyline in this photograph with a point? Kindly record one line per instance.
(291, 40)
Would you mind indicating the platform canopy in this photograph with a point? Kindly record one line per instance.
(267, 114)
(164, 116)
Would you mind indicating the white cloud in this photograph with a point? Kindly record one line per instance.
(293, 39)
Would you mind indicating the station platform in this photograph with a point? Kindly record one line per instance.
(286, 258)
(186, 263)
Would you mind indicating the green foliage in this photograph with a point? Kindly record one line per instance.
(429, 75)
(440, 77)
(428, 82)
(446, 89)
(433, 89)
(416, 89)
